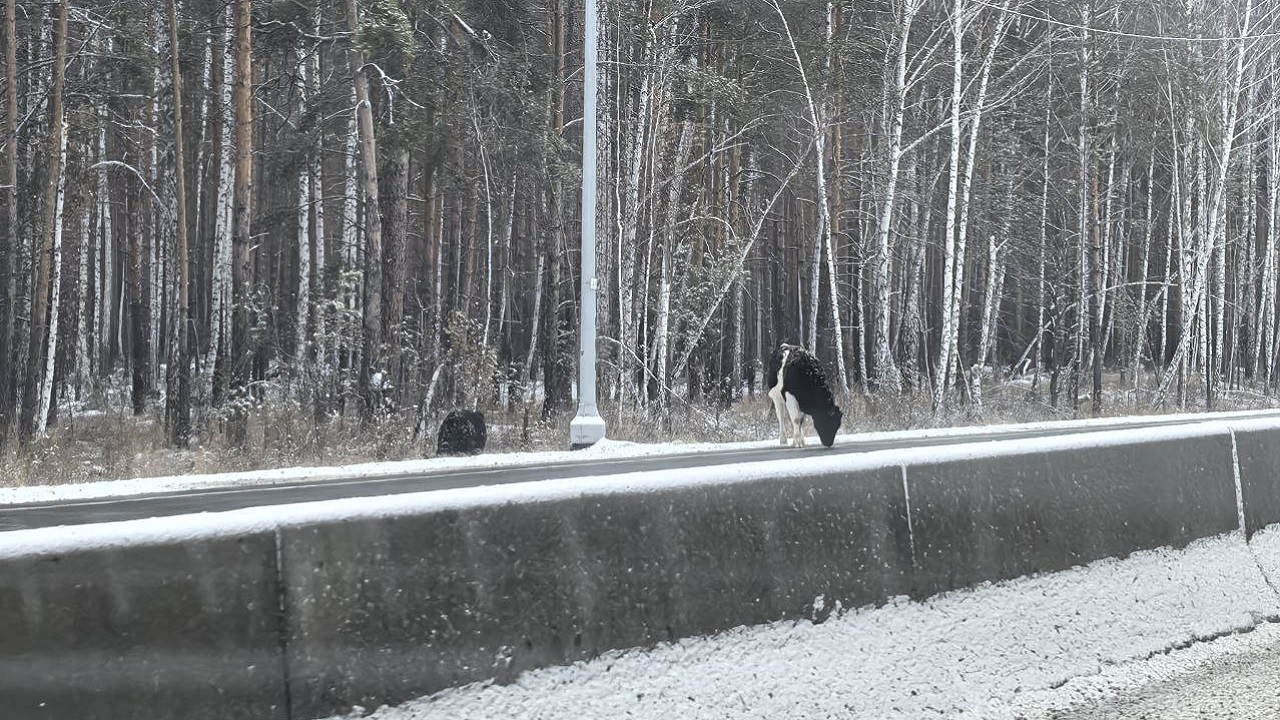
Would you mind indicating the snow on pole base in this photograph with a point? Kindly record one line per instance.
(586, 428)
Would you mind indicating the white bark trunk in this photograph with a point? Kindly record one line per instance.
(320, 314)
(1140, 333)
(55, 294)
(628, 322)
(220, 292)
(888, 375)
(105, 283)
(489, 237)
(1195, 287)
(950, 288)
(661, 360)
(83, 302)
(971, 161)
(302, 316)
(1267, 300)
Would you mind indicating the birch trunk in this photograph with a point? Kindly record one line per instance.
(105, 283)
(1215, 205)
(1091, 290)
(321, 342)
(306, 199)
(887, 374)
(990, 306)
(911, 334)
(951, 257)
(84, 303)
(1267, 295)
(661, 360)
(629, 320)
(55, 251)
(220, 275)
(348, 256)
(44, 333)
(1141, 332)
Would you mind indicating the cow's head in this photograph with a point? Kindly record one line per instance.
(827, 423)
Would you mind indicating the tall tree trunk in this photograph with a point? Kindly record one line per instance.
(952, 265)
(661, 360)
(557, 360)
(321, 343)
(141, 224)
(178, 396)
(393, 185)
(1267, 296)
(10, 369)
(1213, 208)
(213, 382)
(371, 366)
(1141, 335)
(44, 317)
(887, 374)
(306, 200)
(241, 352)
(1090, 267)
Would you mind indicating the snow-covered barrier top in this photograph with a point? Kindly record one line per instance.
(306, 610)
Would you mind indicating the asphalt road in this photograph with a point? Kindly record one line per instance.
(79, 512)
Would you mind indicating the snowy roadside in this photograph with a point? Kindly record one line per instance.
(604, 450)
(978, 653)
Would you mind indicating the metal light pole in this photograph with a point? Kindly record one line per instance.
(587, 426)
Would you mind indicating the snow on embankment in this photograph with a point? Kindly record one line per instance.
(960, 654)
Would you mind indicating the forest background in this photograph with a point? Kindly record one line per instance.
(240, 233)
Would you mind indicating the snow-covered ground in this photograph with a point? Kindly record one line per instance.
(989, 652)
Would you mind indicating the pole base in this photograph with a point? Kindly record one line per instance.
(586, 428)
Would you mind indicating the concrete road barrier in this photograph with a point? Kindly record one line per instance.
(1258, 450)
(1000, 517)
(383, 610)
(184, 631)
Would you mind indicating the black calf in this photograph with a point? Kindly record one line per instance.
(461, 433)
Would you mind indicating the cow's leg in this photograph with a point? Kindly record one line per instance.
(797, 421)
(779, 408)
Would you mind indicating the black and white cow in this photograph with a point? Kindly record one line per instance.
(798, 388)
(462, 432)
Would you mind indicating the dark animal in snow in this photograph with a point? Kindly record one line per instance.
(461, 433)
(798, 388)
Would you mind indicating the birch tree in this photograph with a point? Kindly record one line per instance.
(44, 321)
(896, 98)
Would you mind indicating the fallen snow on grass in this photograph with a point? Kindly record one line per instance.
(960, 654)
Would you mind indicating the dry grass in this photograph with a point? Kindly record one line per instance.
(114, 444)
